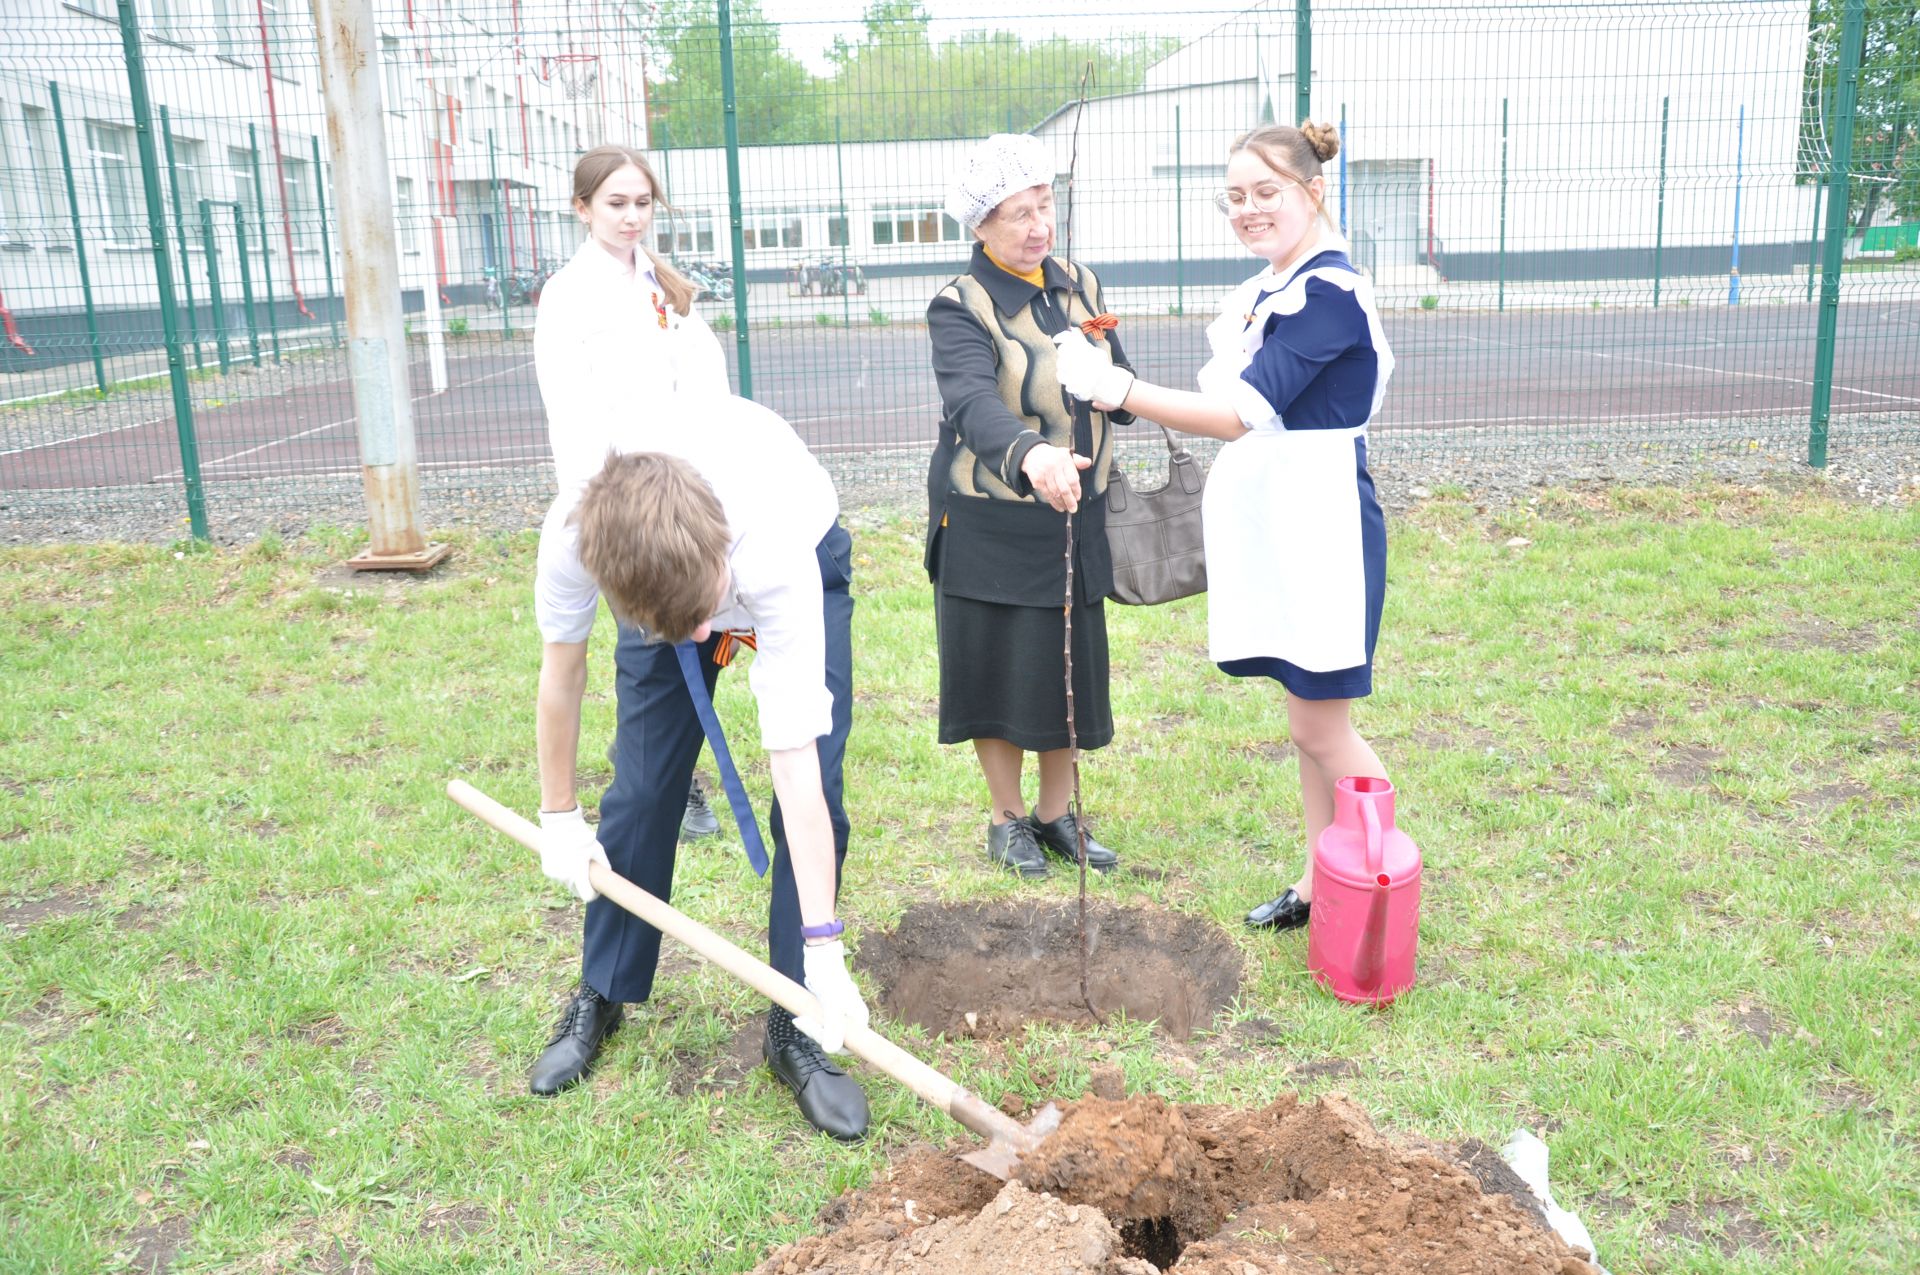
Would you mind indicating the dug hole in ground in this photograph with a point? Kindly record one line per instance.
(1136, 1185)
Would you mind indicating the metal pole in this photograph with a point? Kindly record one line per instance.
(210, 248)
(1839, 202)
(1343, 170)
(326, 242)
(1813, 244)
(1302, 60)
(163, 269)
(266, 253)
(1503, 203)
(732, 118)
(1739, 156)
(349, 50)
(1660, 206)
(500, 277)
(180, 236)
(246, 279)
(846, 229)
(80, 241)
(1179, 223)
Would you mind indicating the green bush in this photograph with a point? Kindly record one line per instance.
(457, 325)
(824, 319)
(723, 321)
(1429, 302)
(878, 317)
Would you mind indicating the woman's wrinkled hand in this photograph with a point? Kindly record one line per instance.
(1055, 475)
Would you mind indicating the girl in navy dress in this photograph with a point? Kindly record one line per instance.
(1296, 546)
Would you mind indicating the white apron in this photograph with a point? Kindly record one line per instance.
(1286, 576)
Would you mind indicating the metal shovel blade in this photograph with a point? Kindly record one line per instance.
(1000, 1156)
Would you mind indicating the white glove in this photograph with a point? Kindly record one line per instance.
(566, 849)
(1087, 371)
(840, 1003)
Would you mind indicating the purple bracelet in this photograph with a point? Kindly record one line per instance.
(831, 930)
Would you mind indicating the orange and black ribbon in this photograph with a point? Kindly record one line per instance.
(1099, 325)
(731, 640)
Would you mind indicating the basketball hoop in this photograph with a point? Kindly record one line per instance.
(578, 73)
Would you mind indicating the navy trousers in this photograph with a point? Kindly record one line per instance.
(655, 745)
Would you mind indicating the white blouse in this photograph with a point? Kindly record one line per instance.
(602, 356)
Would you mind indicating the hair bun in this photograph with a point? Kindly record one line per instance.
(1324, 138)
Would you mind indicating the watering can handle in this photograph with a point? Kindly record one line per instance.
(1375, 852)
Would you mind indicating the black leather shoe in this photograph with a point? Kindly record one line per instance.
(1014, 845)
(584, 1026)
(1058, 838)
(1288, 912)
(699, 821)
(830, 1099)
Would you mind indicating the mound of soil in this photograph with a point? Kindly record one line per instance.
(1138, 1186)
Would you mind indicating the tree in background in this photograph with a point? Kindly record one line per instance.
(895, 84)
(1886, 122)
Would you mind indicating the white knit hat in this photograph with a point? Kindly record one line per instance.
(998, 167)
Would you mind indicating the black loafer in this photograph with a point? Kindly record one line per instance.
(1015, 845)
(830, 1099)
(584, 1026)
(1059, 839)
(699, 820)
(1288, 912)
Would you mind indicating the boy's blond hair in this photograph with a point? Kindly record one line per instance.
(654, 538)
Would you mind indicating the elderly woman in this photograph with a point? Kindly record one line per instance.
(1015, 459)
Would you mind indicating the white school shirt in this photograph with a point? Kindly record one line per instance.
(600, 354)
(779, 503)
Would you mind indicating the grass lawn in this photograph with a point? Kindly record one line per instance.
(267, 998)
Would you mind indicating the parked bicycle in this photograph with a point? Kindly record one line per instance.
(826, 277)
(712, 281)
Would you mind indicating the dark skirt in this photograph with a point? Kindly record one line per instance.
(1002, 675)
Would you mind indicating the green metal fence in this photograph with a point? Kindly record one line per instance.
(1592, 227)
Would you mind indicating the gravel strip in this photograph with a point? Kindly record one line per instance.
(1873, 459)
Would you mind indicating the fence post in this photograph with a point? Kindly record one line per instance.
(1179, 222)
(180, 236)
(349, 53)
(730, 111)
(846, 229)
(266, 253)
(210, 247)
(326, 243)
(1302, 60)
(79, 241)
(1839, 203)
(1660, 206)
(1739, 163)
(1344, 148)
(1503, 204)
(1813, 244)
(501, 277)
(246, 278)
(163, 269)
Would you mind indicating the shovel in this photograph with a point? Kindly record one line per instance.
(1007, 1139)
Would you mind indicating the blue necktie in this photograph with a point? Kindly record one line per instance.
(689, 656)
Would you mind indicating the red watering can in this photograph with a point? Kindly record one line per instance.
(1364, 927)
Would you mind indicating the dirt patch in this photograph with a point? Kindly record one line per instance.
(1688, 765)
(701, 1071)
(1814, 634)
(1828, 796)
(326, 1033)
(1721, 1224)
(1496, 1177)
(455, 1221)
(299, 1159)
(986, 969)
(1133, 1187)
(151, 1249)
(54, 907)
(1755, 1022)
(1634, 724)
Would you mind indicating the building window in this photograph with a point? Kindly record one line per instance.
(185, 174)
(403, 215)
(837, 231)
(301, 209)
(110, 150)
(773, 230)
(43, 159)
(917, 223)
(240, 189)
(681, 234)
(163, 19)
(393, 69)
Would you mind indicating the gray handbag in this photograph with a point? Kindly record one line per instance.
(1154, 536)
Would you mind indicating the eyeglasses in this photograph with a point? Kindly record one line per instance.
(1263, 198)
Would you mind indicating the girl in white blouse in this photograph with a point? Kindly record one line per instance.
(616, 326)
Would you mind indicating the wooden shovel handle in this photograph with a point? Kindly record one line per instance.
(863, 1042)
